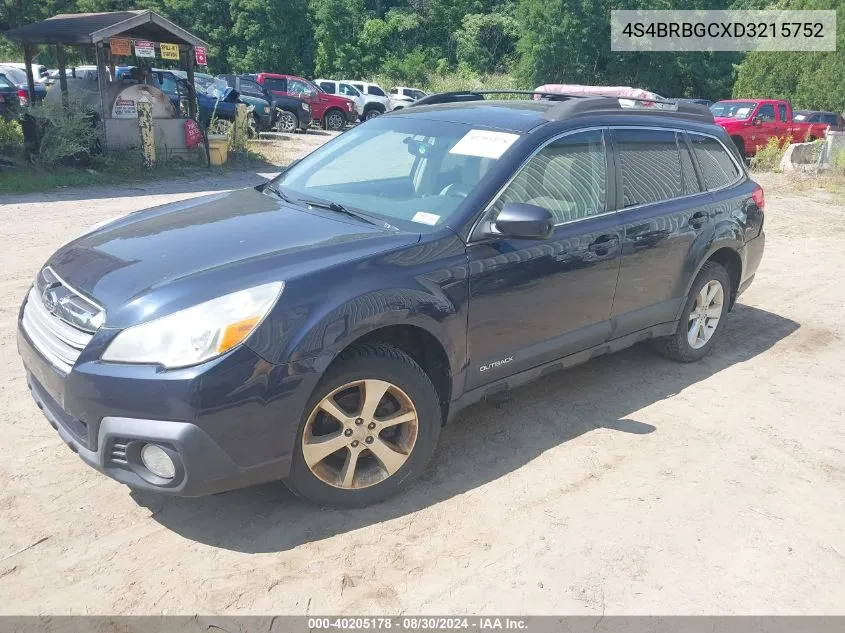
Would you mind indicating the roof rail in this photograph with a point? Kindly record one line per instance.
(596, 102)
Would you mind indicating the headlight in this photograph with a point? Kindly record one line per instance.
(266, 109)
(306, 106)
(198, 333)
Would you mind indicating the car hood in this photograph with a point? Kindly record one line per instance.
(156, 261)
(726, 120)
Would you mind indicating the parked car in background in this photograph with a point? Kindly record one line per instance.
(331, 111)
(400, 96)
(342, 313)
(39, 71)
(176, 88)
(344, 89)
(832, 120)
(752, 122)
(376, 101)
(9, 101)
(704, 102)
(287, 114)
(18, 77)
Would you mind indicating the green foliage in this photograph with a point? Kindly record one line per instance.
(768, 158)
(68, 135)
(486, 41)
(812, 80)
(11, 137)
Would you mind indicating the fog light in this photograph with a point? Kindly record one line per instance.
(157, 461)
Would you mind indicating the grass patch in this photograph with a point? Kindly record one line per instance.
(118, 168)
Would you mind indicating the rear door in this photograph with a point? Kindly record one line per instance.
(533, 301)
(667, 219)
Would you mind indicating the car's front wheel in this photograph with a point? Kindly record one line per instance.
(287, 121)
(335, 120)
(703, 316)
(369, 429)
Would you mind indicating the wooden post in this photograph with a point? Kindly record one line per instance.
(60, 57)
(192, 97)
(145, 125)
(103, 82)
(30, 80)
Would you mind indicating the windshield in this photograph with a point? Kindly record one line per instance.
(733, 109)
(425, 169)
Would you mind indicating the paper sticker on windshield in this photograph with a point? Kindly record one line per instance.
(743, 113)
(484, 144)
(425, 218)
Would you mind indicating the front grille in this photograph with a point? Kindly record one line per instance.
(58, 332)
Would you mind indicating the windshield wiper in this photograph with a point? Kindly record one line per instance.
(278, 192)
(337, 208)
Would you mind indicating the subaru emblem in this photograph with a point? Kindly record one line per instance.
(48, 298)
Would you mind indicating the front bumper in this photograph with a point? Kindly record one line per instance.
(352, 116)
(229, 423)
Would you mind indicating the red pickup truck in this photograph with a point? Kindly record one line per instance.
(752, 122)
(330, 111)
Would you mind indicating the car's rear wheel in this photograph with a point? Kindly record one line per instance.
(372, 113)
(335, 120)
(703, 316)
(287, 121)
(369, 429)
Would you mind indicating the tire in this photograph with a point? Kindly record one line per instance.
(410, 392)
(286, 121)
(372, 113)
(679, 346)
(334, 120)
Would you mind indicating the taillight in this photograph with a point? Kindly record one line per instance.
(759, 198)
(23, 97)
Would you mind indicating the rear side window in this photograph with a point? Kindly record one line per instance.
(567, 177)
(375, 90)
(717, 167)
(781, 112)
(687, 170)
(273, 83)
(831, 119)
(651, 166)
(327, 86)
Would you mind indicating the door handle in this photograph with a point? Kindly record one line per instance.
(698, 219)
(603, 244)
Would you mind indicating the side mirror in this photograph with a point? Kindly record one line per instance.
(524, 221)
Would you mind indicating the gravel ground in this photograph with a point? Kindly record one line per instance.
(629, 485)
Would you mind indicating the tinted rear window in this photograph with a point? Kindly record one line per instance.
(717, 167)
(273, 83)
(651, 166)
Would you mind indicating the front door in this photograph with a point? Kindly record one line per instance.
(533, 301)
(765, 125)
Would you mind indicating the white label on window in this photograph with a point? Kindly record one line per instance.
(425, 218)
(484, 144)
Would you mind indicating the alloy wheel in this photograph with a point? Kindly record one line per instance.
(372, 114)
(335, 121)
(705, 314)
(286, 121)
(360, 434)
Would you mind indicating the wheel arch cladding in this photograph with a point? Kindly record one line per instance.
(423, 347)
(729, 258)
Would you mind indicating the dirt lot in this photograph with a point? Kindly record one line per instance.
(629, 485)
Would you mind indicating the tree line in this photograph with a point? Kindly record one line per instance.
(472, 43)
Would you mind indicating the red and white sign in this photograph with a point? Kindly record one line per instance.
(202, 60)
(193, 134)
(143, 48)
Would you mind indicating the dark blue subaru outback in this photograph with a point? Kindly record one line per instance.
(322, 328)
